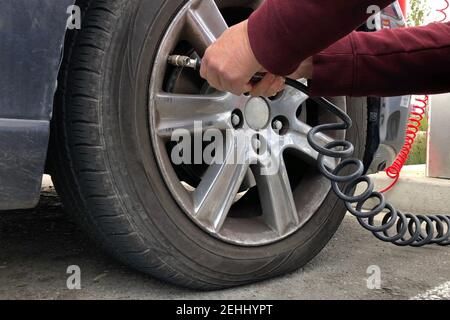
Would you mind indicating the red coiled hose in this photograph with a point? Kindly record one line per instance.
(414, 122)
(443, 11)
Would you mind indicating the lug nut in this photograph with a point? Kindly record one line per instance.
(235, 120)
(277, 125)
(256, 144)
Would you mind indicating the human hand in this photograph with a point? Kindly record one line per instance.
(269, 86)
(229, 64)
(304, 71)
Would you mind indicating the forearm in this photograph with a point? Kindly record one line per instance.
(385, 63)
(285, 32)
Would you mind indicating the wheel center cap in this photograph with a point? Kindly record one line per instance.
(257, 113)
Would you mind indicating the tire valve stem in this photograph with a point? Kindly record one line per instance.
(184, 62)
(188, 62)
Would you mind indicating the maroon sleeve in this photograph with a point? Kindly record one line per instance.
(386, 63)
(285, 32)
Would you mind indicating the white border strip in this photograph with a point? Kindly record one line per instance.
(441, 292)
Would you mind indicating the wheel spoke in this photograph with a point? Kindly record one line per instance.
(289, 102)
(216, 193)
(205, 23)
(276, 198)
(297, 139)
(180, 111)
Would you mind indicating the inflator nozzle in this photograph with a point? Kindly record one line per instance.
(184, 62)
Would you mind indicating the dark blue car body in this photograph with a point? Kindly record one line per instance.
(31, 37)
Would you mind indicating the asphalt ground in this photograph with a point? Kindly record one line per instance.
(37, 246)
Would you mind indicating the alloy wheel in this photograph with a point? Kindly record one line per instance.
(235, 201)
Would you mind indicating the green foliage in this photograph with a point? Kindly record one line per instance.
(419, 10)
(424, 125)
(419, 151)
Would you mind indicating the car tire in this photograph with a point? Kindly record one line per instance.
(104, 167)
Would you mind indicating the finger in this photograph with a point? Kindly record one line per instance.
(214, 81)
(208, 75)
(204, 71)
(280, 84)
(204, 66)
(263, 86)
(241, 89)
(277, 86)
(213, 77)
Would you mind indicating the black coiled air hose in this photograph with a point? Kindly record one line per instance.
(401, 229)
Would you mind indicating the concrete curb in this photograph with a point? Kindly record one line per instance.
(416, 193)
